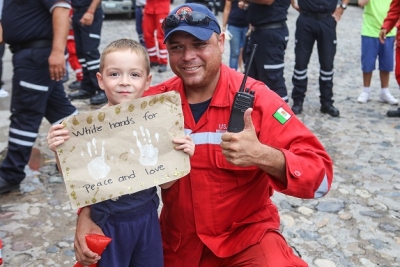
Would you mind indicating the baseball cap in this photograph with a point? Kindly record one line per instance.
(192, 18)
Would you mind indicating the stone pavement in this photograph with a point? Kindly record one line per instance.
(356, 224)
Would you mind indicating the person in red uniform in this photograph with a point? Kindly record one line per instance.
(221, 214)
(393, 19)
(154, 13)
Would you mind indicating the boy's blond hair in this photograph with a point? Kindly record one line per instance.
(125, 44)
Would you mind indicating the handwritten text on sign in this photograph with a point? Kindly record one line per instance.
(123, 149)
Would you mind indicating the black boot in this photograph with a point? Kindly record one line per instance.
(99, 98)
(297, 107)
(331, 110)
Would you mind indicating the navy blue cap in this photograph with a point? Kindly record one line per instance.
(202, 32)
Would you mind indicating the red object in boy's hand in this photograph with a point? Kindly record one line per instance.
(96, 243)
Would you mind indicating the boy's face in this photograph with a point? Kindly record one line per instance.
(124, 77)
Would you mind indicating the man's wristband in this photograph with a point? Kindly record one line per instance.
(90, 12)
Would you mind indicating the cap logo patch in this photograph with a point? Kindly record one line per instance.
(183, 12)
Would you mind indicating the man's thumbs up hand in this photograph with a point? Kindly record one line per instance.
(241, 148)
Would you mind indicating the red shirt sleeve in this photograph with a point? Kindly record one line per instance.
(393, 16)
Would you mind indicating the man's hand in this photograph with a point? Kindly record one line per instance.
(241, 148)
(87, 19)
(338, 14)
(382, 36)
(85, 226)
(244, 149)
(295, 5)
(57, 65)
(243, 4)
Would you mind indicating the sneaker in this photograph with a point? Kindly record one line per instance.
(363, 98)
(388, 98)
(6, 186)
(3, 93)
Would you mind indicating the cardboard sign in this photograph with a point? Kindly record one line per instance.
(123, 149)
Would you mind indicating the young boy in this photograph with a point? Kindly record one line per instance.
(131, 220)
(371, 49)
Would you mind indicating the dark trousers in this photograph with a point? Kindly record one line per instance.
(34, 96)
(139, 21)
(309, 30)
(136, 239)
(268, 65)
(2, 48)
(87, 41)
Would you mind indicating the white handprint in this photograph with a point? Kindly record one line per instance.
(97, 167)
(148, 153)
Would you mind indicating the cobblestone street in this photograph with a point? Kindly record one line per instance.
(356, 224)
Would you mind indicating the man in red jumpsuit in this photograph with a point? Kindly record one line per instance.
(221, 214)
(392, 19)
(154, 13)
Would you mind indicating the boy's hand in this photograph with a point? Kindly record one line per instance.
(382, 36)
(186, 144)
(56, 136)
(85, 226)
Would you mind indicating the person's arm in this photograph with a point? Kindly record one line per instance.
(244, 149)
(363, 3)
(227, 11)
(85, 226)
(60, 20)
(339, 10)
(296, 162)
(295, 5)
(55, 137)
(88, 17)
(390, 21)
(1, 33)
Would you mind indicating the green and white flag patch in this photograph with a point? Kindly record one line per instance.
(282, 115)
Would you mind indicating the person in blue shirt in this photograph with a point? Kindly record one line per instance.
(236, 19)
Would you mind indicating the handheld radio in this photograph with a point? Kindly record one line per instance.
(244, 99)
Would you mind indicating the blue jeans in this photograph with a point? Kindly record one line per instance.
(372, 49)
(139, 19)
(236, 43)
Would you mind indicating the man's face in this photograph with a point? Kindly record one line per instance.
(196, 62)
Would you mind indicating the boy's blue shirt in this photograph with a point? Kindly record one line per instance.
(126, 204)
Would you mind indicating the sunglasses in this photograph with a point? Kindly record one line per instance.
(193, 18)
